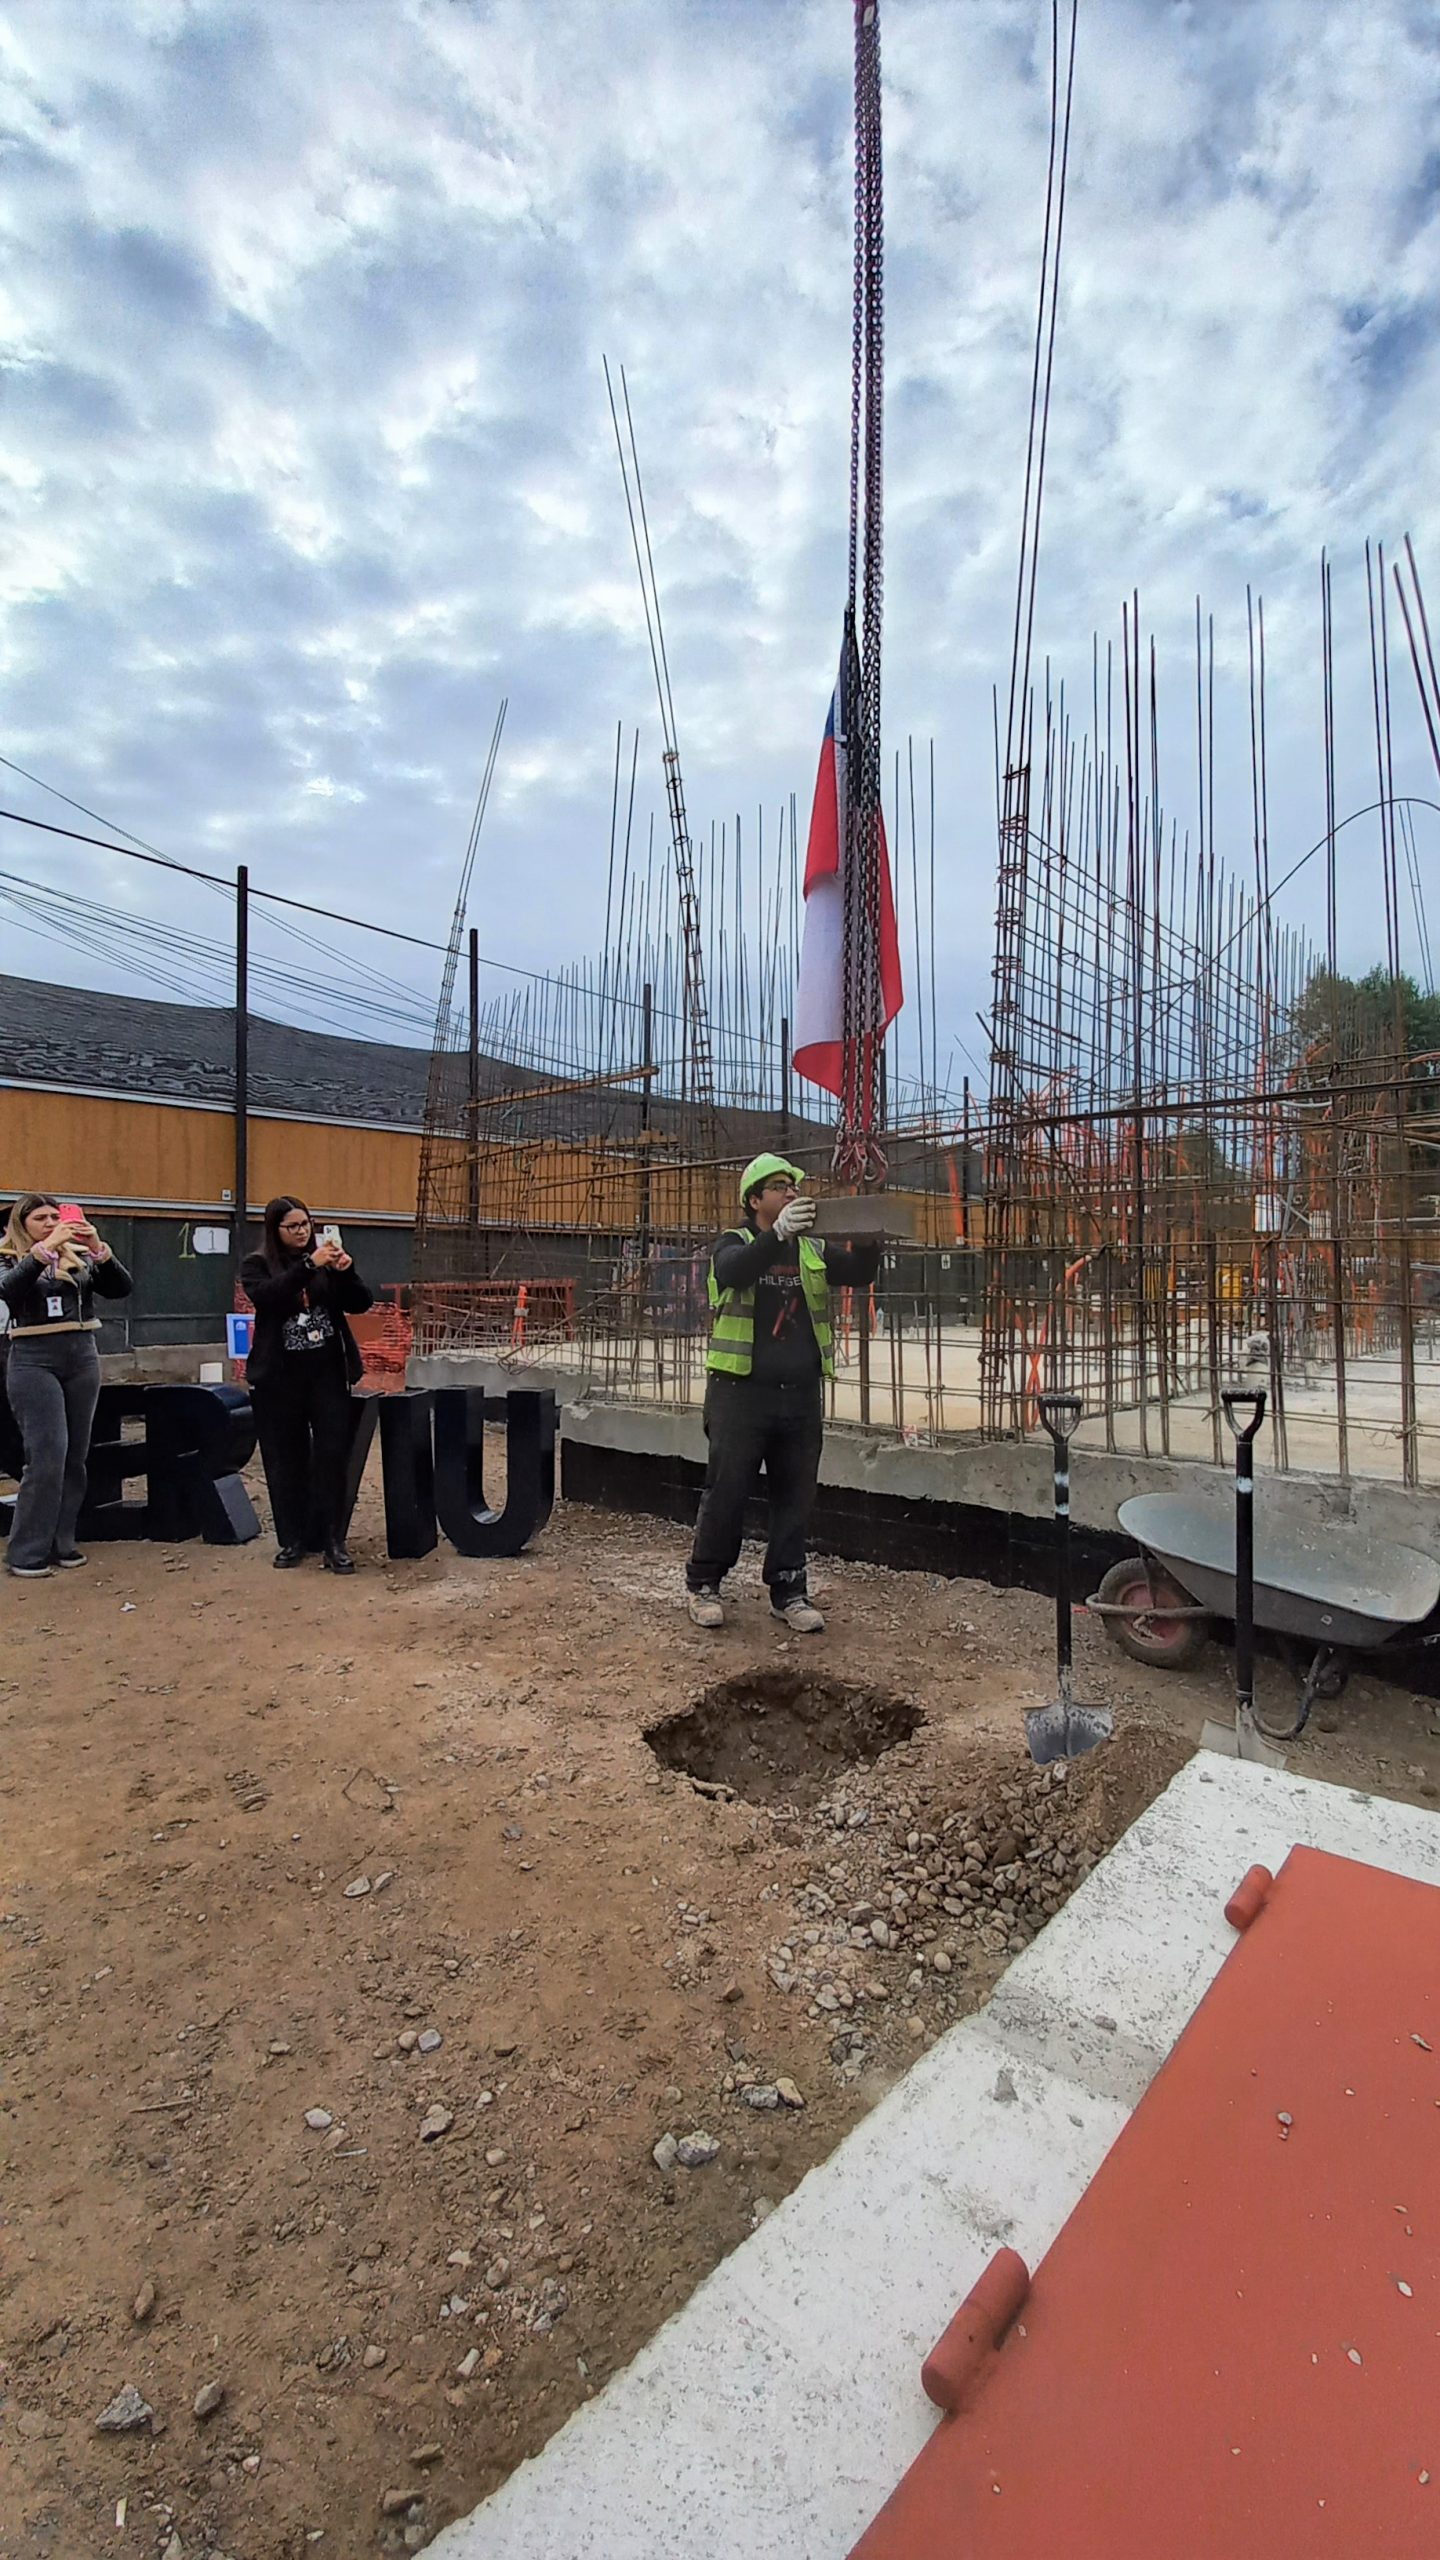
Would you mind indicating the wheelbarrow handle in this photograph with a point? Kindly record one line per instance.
(1231, 1397)
(1060, 1415)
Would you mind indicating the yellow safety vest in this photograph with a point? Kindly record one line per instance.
(732, 1338)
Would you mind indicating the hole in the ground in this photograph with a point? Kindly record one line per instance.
(781, 1736)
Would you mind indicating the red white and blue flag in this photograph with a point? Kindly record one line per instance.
(820, 1026)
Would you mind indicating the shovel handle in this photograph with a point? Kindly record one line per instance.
(1233, 1397)
(1060, 1415)
(1254, 1397)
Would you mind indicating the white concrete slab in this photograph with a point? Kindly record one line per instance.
(774, 2414)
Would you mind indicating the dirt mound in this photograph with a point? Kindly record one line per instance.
(1110, 1788)
(948, 1865)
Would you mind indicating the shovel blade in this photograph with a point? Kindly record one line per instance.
(1239, 1741)
(1064, 1731)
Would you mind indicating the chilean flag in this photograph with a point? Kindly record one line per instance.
(820, 996)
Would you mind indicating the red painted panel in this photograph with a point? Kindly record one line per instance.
(1233, 2347)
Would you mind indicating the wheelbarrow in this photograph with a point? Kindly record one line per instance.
(1325, 1594)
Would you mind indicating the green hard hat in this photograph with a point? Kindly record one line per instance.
(760, 1170)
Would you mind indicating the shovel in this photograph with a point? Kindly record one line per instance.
(1243, 1739)
(1063, 1730)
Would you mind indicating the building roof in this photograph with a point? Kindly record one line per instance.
(74, 1036)
(79, 1038)
(186, 1053)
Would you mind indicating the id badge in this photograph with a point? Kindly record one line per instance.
(54, 1309)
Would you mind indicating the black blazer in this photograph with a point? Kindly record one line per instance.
(274, 1296)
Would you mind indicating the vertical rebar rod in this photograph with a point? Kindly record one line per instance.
(472, 1117)
(241, 1178)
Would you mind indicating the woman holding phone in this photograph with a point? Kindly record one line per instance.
(302, 1365)
(53, 1266)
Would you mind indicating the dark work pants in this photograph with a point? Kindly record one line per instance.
(750, 1426)
(53, 1385)
(302, 1421)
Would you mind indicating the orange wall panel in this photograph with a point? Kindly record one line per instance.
(115, 1150)
(112, 1149)
(335, 1171)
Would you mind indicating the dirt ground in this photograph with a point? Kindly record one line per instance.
(214, 2091)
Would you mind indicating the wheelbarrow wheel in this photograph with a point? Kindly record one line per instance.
(1167, 1644)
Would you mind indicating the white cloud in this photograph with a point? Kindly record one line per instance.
(306, 456)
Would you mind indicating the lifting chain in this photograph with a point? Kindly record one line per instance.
(858, 1154)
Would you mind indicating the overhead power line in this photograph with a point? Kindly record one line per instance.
(218, 880)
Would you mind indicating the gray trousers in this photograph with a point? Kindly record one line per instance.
(53, 1386)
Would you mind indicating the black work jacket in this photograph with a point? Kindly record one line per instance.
(43, 1300)
(275, 1296)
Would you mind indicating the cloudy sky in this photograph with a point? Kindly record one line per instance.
(305, 457)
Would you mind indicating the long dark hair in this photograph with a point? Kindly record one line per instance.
(279, 1255)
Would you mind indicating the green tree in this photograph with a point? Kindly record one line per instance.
(1361, 1030)
(1343, 1022)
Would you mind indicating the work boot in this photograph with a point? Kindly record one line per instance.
(338, 1559)
(285, 1557)
(706, 1608)
(797, 1613)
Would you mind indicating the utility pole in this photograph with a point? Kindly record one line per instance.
(784, 1080)
(240, 1195)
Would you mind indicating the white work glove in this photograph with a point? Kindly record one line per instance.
(794, 1218)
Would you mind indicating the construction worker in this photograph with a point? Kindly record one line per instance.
(770, 1354)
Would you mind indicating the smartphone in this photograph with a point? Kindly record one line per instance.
(331, 1235)
(73, 1214)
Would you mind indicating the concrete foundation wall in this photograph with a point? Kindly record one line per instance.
(655, 1454)
(1001, 1475)
(163, 1364)
(497, 1377)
